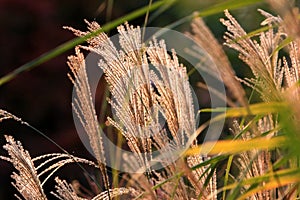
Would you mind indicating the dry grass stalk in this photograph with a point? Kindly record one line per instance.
(85, 110)
(140, 95)
(206, 40)
(290, 16)
(274, 77)
(27, 181)
(6, 115)
(65, 191)
(261, 57)
(256, 163)
(272, 74)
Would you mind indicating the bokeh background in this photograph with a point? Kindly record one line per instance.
(42, 97)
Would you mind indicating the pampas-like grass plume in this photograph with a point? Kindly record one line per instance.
(206, 40)
(26, 180)
(85, 111)
(140, 96)
(272, 74)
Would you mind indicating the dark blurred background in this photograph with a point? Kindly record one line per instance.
(42, 97)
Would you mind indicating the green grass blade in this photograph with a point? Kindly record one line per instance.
(276, 179)
(271, 180)
(215, 9)
(229, 162)
(231, 5)
(74, 42)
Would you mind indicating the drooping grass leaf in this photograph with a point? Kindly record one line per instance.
(254, 109)
(236, 146)
(217, 8)
(230, 5)
(74, 42)
(271, 180)
(229, 163)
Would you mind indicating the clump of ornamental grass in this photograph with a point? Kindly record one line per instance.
(141, 95)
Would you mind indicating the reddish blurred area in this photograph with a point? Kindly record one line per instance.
(42, 97)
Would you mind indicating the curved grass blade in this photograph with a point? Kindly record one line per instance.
(215, 9)
(74, 42)
(272, 180)
(226, 178)
(236, 146)
(230, 5)
(254, 109)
